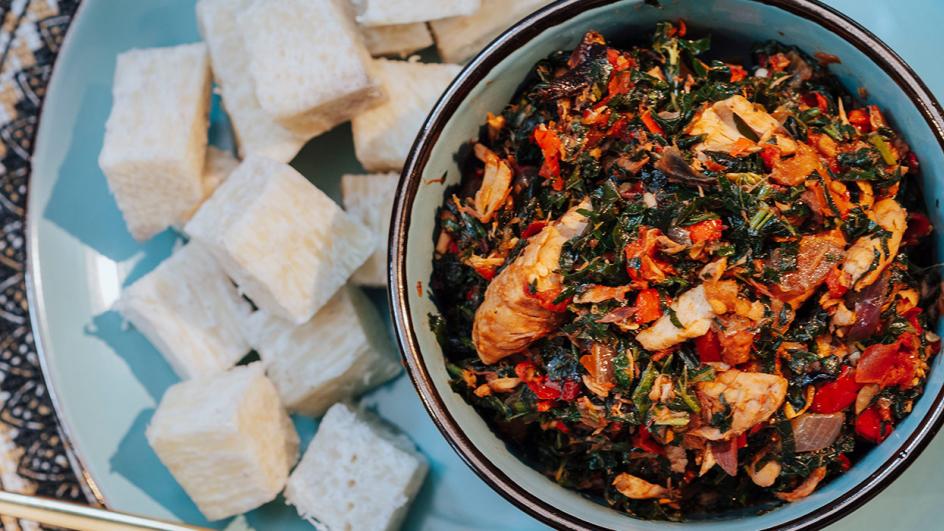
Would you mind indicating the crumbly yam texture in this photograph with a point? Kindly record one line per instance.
(309, 64)
(217, 166)
(190, 311)
(343, 351)
(369, 198)
(386, 12)
(226, 439)
(398, 39)
(459, 38)
(156, 135)
(287, 245)
(356, 474)
(256, 132)
(384, 135)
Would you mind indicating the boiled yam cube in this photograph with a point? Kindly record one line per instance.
(156, 135)
(385, 12)
(226, 439)
(459, 38)
(344, 350)
(369, 198)
(256, 132)
(287, 245)
(399, 39)
(190, 311)
(383, 135)
(356, 474)
(309, 63)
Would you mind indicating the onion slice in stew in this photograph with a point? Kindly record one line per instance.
(815, 431)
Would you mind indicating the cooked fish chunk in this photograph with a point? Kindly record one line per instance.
(511, 318)
(637, 488)
(816, 256)
(718, 122)
(749, 398)
(692, 310)
(870, 255)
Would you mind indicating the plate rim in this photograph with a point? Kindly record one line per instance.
(34, 287)
(832, 20)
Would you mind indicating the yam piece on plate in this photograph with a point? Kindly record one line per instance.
(190, 311)
(226, 439)
(343, 351)
(383, 135)
(369, 198)
(308, 62)
(256, 132)
(287, 245)
(356, 474)
(217, 166)
(398, 39)
(386, 12)
(459, 38)
(156, 135)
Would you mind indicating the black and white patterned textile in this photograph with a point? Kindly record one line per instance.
(32, 455)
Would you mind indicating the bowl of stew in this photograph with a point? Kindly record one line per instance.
(672, 263)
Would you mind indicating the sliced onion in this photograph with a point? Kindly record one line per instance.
(815, 431)
(868, 310)
(726, 455)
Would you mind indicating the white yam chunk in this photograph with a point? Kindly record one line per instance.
(156, 135)
(459, 38)
(190, 311)
(693, 312)
(369, 198)
(385, 12)
(383, 135)
(398, 39)
(309, 63)
(256, 132)
(216, 168)
(287, 245)
(226, 439)
(343, 351)
(356, 474)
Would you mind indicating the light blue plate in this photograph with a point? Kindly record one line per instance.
(107, 380)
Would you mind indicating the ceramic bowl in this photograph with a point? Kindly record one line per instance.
(488, 83)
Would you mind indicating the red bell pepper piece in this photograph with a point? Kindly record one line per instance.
(889, 364)
(859, 118)
(651, 124)
(870, 426)
(837, 395)
(648, 306)
(533, 228)
(708, 347)
(706, 231)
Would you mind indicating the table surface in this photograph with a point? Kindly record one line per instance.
(31, 452)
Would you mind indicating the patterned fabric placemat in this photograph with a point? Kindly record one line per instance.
(32, 455)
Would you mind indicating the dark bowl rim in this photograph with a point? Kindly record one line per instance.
(398, 290)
